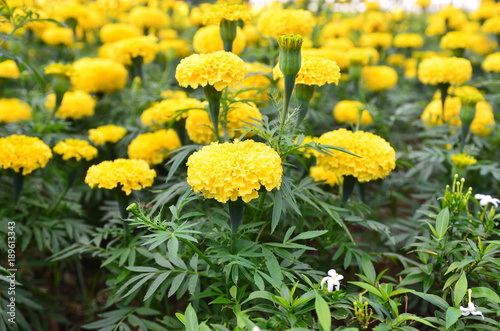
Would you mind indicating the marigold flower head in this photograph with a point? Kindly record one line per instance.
(463, 160)
(58, 36)
(240, 115)
(341, 44)
(174, 94)
(112, 32)
(335, 29)
(408, 40)
(376, 156)
(226, 11)
(99, 75)
(180, 47)
(363, 56)
(229, 171)
(148, 17)
(492, 62)
(126, 174)
(274, 23)
(75, 104)
(256, 83)
(483, 45)
(444, 70)
(314, 71)
(154, 147)
(207, 40)
(396, 60)
(20, 152)
(457, 40)
(199, 127)
(125, 50)
(336, 55)
(9, 69)
(492, 25)
(484, 120)
(75, 148)
(106, 134)
(13, 109)
(320, 174)
(167, 110)
(219, 69)
(376, 40)
(378, 78)
(59, 69)
(347, 111)
(486, 10)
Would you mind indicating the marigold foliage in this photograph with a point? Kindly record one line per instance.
(445, 70)
(165, 111)
(376, 156)
(207, 40)
(75, 104)
(314, 71)
(106, 134)
(492, 62)
(13, 109)
(219, 69)
(378, 78)
(274, 23)
(112, 32)
(226, 11)
(99, 75)
(75, 148)
(20, 152)
(320, 174)
(126, 174)
(347, 111)
(229, 171)
(9, 69)
(462, 160)
(154, 147)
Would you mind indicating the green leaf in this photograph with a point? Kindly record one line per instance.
(308, 235)
(154, 285)
(277, 209)
(273, 265)
(368, 287)
(460, 289)
(176, 283)
(434, 299)
(368, 269)
(484, 292)
(323, 312)
(145, 278)
(442, 222)
(452, 316)
(191, 319)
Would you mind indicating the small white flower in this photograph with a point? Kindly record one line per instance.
(256, 328)
(333, 279)
(471, 309)
(485, 199)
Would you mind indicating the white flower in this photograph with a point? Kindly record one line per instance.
(256, 328)
(471, 309)
(485, 199)
(333, 279)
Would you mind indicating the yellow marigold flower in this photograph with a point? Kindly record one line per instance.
(148, 17)
(335, 29)
(363, 56)
(378, 78)
(125, 50)
(171, 94)
(154, 147)
(408, 40)
(396, 60)
(492, 25)
(112, 32)
(240, 115)
(252, 35)
(255, 85)
(180, 48)
(9, 69)
(229, 171)
(207, 40)
(106, 134)
(199, 127)
(376, 40)
(410, 67)
(483, 45)
(126, 174)
(12, 110)
(219, 69)
(462, 160)
(168, 34)
(347, 111)
(341, 44)
(59, 69)
(20, 152)
(486, 9)
(226, 11)
(320, 174)
(336, 55)
(492, 62)
(450, 70)
(484, 120)
(75, 148)
(433, 113)
(314, 71)
(274, 23)
(58, 36)
(423, 3)
(377, 157)
(99, 75)
(306, 151)
(457, 40)
(165, 111)
(75, 104)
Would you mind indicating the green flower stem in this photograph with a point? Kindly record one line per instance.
(200, 253)
(123, 200)
(136, 69)
(467, 114)
(228, 33)
(236, 215)
(213, 97)
(17, 183)
(304, 94)
(443, 88)
(70, 179)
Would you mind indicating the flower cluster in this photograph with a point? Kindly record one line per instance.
(124, 51)
(154, 147)
(75, 148)
(98, 75)
(23, 153)
(229, 171)
(126, 174)
(106, 134)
